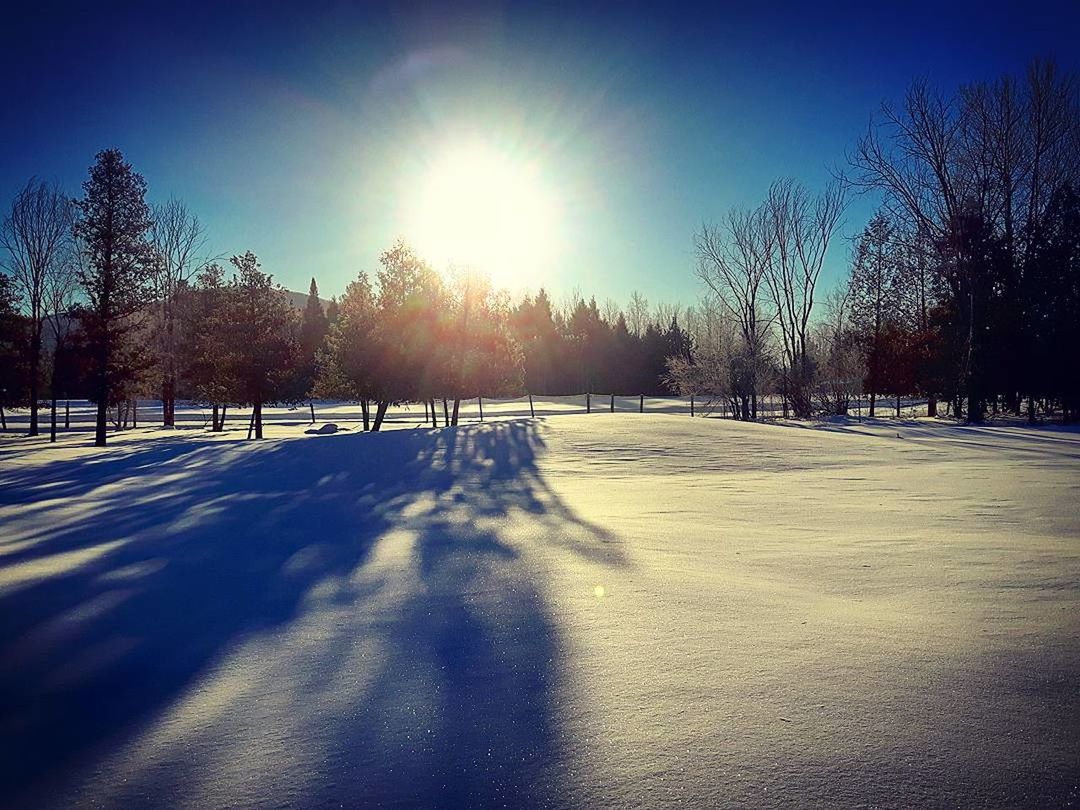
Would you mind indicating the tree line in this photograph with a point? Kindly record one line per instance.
(110, 298)
(963, 289)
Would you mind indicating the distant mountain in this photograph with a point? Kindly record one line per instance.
(299, 299)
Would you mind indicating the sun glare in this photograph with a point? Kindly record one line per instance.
(485, 209)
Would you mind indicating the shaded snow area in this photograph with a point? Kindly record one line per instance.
(581, 611)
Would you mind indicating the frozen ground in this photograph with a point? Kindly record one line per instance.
(578, 611)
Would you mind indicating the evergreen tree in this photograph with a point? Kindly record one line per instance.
(333, 312)
(207, 342)
(112, 225)
(874, 292)
(13, 330)
(347, 363)
(313, 328)
(535, 330)
(1052, 311)
(265, 353)
(410, 359)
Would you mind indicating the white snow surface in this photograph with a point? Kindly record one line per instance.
(576, 611)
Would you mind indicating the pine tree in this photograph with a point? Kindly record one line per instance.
(313, 328)
(410, 359)
(875, 302)
(347, 363)
(265, 355)
(12, 358)
(112, 225)
(333, 311)
(207, 342)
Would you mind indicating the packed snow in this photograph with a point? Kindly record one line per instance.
(610, 610)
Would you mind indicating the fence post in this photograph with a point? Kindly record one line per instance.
(312, 406)
(588, 402)
(641, 404)
(613, 403)
(480, 402)
(532, 411)
(691, 404)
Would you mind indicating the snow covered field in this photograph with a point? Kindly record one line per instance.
(578, 611)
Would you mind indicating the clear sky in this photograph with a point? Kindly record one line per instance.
(310, 132)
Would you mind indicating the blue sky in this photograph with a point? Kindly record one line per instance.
(298, 132)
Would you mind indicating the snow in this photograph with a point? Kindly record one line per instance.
(606, 610)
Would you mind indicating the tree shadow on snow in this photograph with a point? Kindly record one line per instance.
(156, 579)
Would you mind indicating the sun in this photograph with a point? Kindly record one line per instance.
(487, 209)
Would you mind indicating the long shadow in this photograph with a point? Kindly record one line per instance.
(191, 551)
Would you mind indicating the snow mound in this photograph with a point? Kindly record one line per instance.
(326, 430)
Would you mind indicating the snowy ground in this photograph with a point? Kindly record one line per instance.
(576, 611)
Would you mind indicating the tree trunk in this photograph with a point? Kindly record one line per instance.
(214, 426)
(224, 411)
(931, 406)
(35, 370)
(258, 420)
(532, 410)
(312, 406)
(1031, 410)
(480, 402)
(434, 415)
(897, 406)
(3, 419)
(457, 406)
(426, 414)
(168, 401)
(446, 413)
(135, 413)
(53, 387)
(366, 414)
(873, 400)
(974, 409)
(102, 417)
(380, 414)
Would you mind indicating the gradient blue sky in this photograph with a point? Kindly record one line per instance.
(297, 130)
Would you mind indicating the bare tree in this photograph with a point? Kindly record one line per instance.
(637, 314)
(36, 234)
(60, 297)
(179, 240)
(733, 259)
(915, 153)
(801, 226)
(664, 314)
(610, 311)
